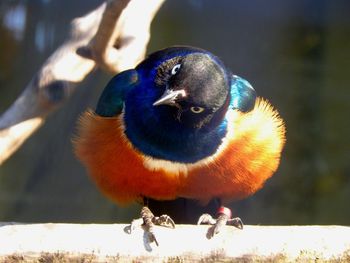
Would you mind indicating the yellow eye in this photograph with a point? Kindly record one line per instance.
(196, 109)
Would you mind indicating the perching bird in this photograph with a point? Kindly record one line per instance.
(180, 125)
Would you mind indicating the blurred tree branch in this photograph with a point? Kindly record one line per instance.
(113, 37)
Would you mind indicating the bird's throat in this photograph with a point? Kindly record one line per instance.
(173, 144)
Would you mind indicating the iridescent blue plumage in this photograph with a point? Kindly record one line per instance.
(113, 96)
(243, 95)
(189, 125)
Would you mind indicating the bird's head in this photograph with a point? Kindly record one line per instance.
(189, 86)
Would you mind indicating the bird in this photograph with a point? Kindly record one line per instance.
(180, 125)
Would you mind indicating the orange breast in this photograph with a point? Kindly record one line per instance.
(115, 166)
(250, 156)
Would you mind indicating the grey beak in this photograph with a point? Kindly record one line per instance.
(169, 97)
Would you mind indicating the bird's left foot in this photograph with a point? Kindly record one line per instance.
(224, 218)
(148, 220)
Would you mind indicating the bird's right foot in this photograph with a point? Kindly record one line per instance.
(148, 220)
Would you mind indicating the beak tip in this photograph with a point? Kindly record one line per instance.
(169, 97)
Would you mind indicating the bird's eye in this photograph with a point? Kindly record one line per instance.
(175, 69)
(196, 109)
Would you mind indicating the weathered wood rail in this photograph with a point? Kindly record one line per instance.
(185, 243)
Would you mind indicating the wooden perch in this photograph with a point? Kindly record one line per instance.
(114, 37)
(113, 243)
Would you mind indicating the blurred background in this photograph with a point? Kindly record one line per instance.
(296, 53)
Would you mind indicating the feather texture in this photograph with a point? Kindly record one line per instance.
(247, 157)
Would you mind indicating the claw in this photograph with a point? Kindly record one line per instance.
(164, 220)
(224, 217)
(148, 220)
(236, 222)
(206, 219)
(152, 237)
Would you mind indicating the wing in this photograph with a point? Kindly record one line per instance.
(243, 95)
(112, 98)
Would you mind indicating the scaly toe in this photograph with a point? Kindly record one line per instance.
(206, 219)
(147, 222)
(164, 220)
(224, 218)
(236, 222)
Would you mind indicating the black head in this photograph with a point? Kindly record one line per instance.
(195, 87)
